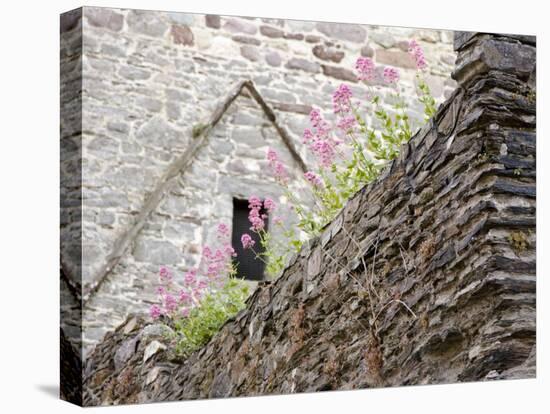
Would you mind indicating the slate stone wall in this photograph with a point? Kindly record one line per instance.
(148, 78)
(427, 276)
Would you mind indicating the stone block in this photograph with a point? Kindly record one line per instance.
(250, 52)
(147, 23)
(303, 64)
(343, 31)
(159, 252)
(103, 17)
(273, 58)
(213, 21)
(235, 25)
(396, 58)
(339, 73)
(182, 35)
(328, 53)
(272, 32)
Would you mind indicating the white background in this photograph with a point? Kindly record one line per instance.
(29, 149)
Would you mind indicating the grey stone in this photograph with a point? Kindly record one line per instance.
(106, 219)
(112, 50)
(271, 32)
(273, 58)
(303, 64)
(383, 39)
(156, 251)
(278, 95)
(150, 104)
(116, 126)
(213, 21)
(300, 25)
(146, 23)
(248, 136)
(153, 348)
(103, 17)
(250, 52)
(134, 73)
(246, 40)
(328, 53)
(367, 51)
(182, 18)
(312, 39)
(70, 20)
(343, 31)
(126, 350)
(294, 36)
(235, 25)
(339, 73)
(158, 132)
(396, 58)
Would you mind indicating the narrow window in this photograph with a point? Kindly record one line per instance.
(248, 266)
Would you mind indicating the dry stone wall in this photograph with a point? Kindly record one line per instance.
(148, 78)
(427, 275)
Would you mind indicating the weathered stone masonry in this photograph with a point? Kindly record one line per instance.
(148, 80)
(448, 229)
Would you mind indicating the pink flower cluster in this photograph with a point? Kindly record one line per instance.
(319, 140)
(418, 54)
(365, 69)
(391, 75)
(278, 168)
(215, 265)
(247, 241)
(256, 218)
(313, 179)
(341, 100)
(346, 124)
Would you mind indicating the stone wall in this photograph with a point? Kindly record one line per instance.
(148, 79)
(427, 276)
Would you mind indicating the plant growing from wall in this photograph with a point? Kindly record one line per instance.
(208, 295)
(350, 152)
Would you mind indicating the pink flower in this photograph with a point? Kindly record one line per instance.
(206, 252)
(257, 221)
(184, 296)
(161, 290)
(391, 75)
(277, 166)
(313, 178)
(197, 294)
(277, 220)
(170, 302)
(346, 123)
(324, 151)
(418, 54)
(155, 312)
(202, 285)
(223, 230)
(341, 100)
(190, 277)
(185, 312)
(366, 69)
(165, 274)
(247, 241)
(229, 250)
(308, 136)
(269, 204)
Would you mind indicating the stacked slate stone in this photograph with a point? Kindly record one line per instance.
(427, 276)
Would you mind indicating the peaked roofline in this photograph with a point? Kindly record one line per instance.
(178, 166)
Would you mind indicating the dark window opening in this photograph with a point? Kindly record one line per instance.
(248, 266)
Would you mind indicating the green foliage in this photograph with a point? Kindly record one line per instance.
(195, 330)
